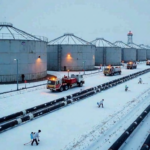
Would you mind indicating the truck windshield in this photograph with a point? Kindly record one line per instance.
(106, 69)
(51, 82)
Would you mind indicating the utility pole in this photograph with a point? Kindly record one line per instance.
(17, 72)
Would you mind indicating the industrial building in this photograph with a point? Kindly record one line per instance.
(147, 51)
(22, 55)
(70, 52)
(140, 52)
(128, 53)
(106, 52)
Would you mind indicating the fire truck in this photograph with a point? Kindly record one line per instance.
(56, 84)
(131, 65)
(110, 70)
(148, 62)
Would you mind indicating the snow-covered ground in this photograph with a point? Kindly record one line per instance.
(27, 98)
(139, 136)
(77, 123)
(10, 87)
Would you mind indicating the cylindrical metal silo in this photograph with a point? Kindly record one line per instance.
(106, 52)
(147, 51)
(141, 52)
(128, 53)
(29, 51)
(70, 52)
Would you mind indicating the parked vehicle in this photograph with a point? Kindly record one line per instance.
(110, 70)
(131, 65)
(148, 62)
(65, 83)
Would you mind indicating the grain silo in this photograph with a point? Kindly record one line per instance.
(147, 51)
(70, 52)
(106, 52)
(128, 53)
(21, 53)
(140, 52)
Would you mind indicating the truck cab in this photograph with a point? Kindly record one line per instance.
(131, 65)
(53, 83)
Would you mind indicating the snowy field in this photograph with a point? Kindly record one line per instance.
(82, 124)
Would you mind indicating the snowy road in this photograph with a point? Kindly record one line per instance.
(17, 101)
(62, 127)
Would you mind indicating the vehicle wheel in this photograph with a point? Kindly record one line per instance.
(105, 74)
(61, 89)
(81, 84)
(66, 87)
(120, 72)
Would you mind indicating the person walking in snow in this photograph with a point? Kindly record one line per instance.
(101, 103)
(31, 136)
(36, 137)
(140, 81)
(126, 88)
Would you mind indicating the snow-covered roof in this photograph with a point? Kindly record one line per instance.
(101, 42)
(8, 31)
(133, 45)
(121, 44)
(69, 38)
(144, 46)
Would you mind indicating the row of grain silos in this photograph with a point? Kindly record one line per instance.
(28, 57)
(70, 52)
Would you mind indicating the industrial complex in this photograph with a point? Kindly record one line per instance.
(29, 57)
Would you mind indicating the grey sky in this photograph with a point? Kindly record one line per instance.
(89, 19)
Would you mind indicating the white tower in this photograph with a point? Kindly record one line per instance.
(130, 37)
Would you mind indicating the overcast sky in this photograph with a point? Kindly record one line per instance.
(88, 19)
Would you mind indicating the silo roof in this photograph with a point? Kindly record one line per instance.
(101, 42)
(8, 31)
(121, 44)
(144, 46)
(69, 39)
(133, 45)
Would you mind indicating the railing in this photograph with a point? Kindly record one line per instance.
(15, 36)
(6, 24)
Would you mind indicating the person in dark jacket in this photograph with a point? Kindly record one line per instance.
(101, 103)
(36, 137)
(22, 76)
(140, 81)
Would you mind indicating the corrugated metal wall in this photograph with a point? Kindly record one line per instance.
(141, 54)
(108, 55)
(27, 53)
(128, 54)
(72, 57)
(113, 56)
(148, 54)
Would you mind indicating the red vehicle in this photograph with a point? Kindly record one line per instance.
(65, 83)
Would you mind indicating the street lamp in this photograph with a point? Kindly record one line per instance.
(17, 72)
(84, 66)
(68, 73)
